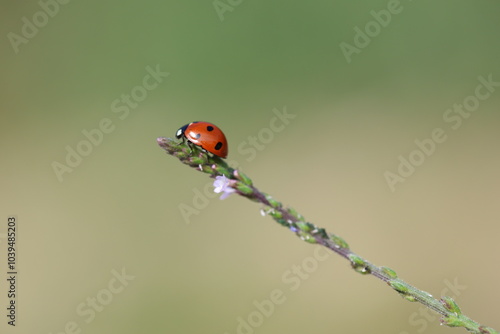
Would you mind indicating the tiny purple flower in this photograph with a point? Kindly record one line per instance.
(221, 184)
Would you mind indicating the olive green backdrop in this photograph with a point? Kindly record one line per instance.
(320, 101)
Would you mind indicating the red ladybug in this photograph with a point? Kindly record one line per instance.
(206, 135)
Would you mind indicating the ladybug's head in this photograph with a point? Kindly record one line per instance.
(180, 132)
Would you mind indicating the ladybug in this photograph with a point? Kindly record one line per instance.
(206, 135)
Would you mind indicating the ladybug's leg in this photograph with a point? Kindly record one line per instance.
(183, 139)
(190, 145)
(192, 148)
(206, 153)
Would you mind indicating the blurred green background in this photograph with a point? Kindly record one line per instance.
(120, 207)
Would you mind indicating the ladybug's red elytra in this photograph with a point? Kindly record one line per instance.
(206, 135)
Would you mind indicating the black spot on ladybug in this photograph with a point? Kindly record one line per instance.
(218, 146)
(210, 128)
